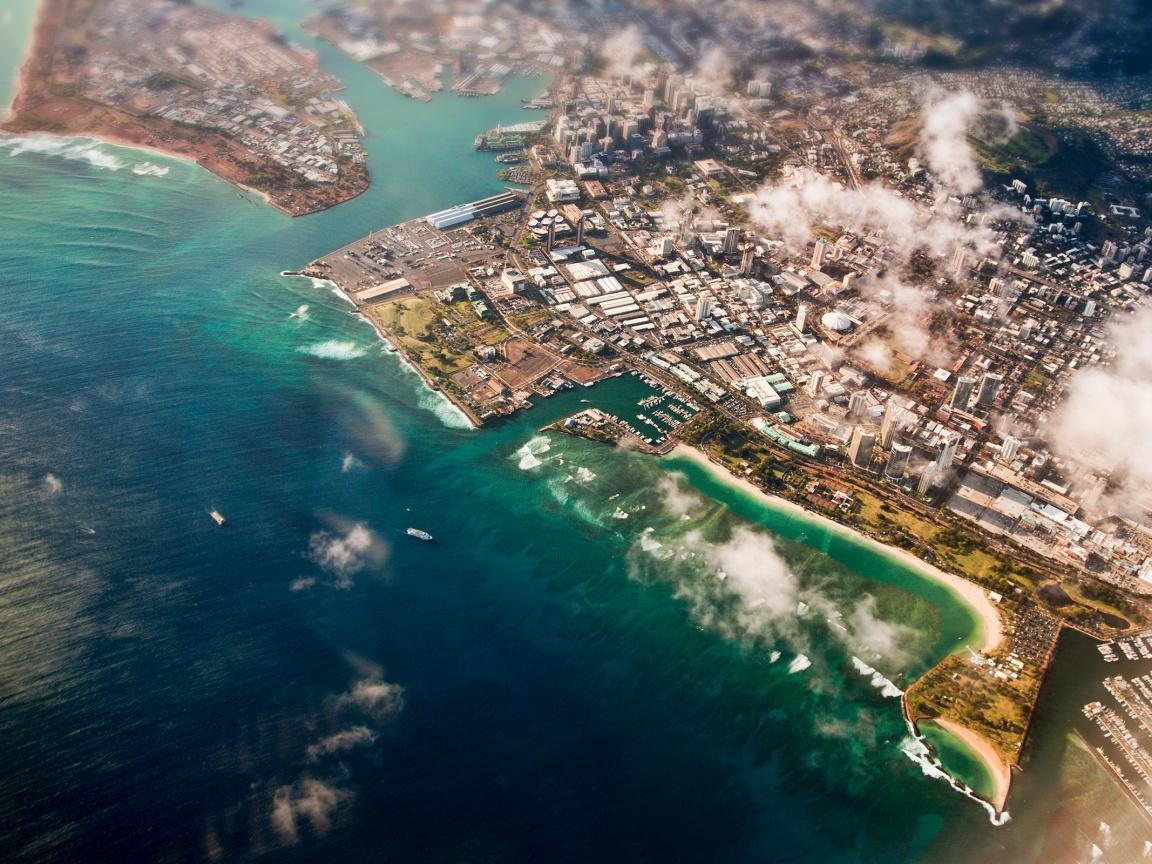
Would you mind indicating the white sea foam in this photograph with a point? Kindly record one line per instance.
(773, 656)
(799, 664)
(73, 149)
(446, 412)
(619, 514)
(329, 285)
(584, 475)
(885, 686)
(334, 349)
(914, 747)
(150, 169)
(301, 312)
(529, 455)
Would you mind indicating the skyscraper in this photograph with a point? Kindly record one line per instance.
(731, 241)
(857, 402)
(861, 447)
(1009, 449)
(747, 261)
(703, 308)
(927, 478)
(946, 455)
(959, 262)
(891, 422)
(818, 254)
(802, 317)
(989, 385)
(962, 395)
(898, 461)
(816, 383)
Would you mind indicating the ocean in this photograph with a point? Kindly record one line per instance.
(604, 657)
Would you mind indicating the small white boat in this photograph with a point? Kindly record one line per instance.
(218, 517)
(418, 534)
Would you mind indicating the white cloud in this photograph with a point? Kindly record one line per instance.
(347, 553)
(350, 462)
(622, 50)
(339, 742)
(375, 697)
(790, 207)
(944, 147)
(1106, 414)
(677, 500)
(52, 484)
(887, 639)
(307, 801)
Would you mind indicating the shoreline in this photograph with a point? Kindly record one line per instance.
(116, 141)
(10, 114)
(968, 593)
(391, 346)
(971, 594)
(998, 769)
(25, 60)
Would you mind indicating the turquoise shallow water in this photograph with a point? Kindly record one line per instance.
(584, 667)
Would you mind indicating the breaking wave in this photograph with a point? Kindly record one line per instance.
(150, 169)
(914, 747)
(799, 664)
(529, 454)
(885, 686)
(73, 149)
(334, 349)
(442, 407)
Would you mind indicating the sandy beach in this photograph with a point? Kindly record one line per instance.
(971, 594)
(1001, 775)
(975, 597)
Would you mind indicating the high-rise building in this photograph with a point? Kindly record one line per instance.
(580, 231)
(802, 317)
(731, 241)
(989, 386)
(893, 414)
(959, 262)
(857, 403)
(818, 254)
(1009, 449)
(861, 447)
(927, 478)
(747, 261)
(703, 308)
(946, 455)
(898, 461)
(962, 394)
(816, 383)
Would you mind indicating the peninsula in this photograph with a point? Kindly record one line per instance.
(223, 91)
